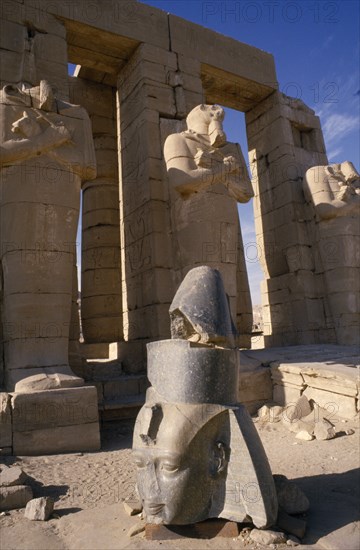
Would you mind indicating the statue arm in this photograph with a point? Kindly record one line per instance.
(326, 206)
(15, 150)
(184, 174)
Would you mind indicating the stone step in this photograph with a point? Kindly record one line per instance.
(121, 407)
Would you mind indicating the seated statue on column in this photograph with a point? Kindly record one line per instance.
(46, 150)
(207, 178)
(334, 191)
(197, 452)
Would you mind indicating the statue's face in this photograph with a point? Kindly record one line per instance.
(174, 487)
(177, 478)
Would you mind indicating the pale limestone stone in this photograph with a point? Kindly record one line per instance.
(11, 476)
(132, 509)
(336, 404)
(39, 509)
(5, 421)
(304, 436)
(41, 142)
(334, 193)
(267, 537)
(14, 497)
(204, 219)
(324, 430)
(298, 410)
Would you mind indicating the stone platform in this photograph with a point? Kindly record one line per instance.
(327, 374)
(50, 421)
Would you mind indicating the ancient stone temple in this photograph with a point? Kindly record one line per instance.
(138, 134)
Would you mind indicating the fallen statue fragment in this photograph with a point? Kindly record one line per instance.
(197, 452)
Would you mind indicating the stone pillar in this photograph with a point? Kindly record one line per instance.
(144, 94)
(285, 139)
(101, 309)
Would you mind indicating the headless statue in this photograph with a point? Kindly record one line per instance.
(207, 177)
(46, 151)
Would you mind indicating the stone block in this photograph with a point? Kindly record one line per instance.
(335, 403)
(5, 421)
(63, 407)
(14, 497)
(123, 386)
(11, 476)
(39, 509)
(102, 125)
(103, 329)
(220, 51)
(255, 385)
(61, 439)
(43, 20)
(12, 36)
(97, 99)
(286, 394)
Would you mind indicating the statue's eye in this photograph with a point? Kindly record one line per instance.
(169, 467)
(139, 461)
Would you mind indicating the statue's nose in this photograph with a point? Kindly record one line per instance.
(150, 481)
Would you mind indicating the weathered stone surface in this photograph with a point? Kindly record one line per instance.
(304, 436)
(37, 292)
(340, 405)
(16, 496)
(64, 407)
(267, 537)
(61, 439)
(11, 476)
(132, 508)
(298, 410)
(39, 509)
(206, 177)
(181, 371)
(5, 420)
(324, 430)
(290, 497)
(200, 312)
(198, 405)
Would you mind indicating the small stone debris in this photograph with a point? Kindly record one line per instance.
(290, 497)
(301, 409)
(39, 509)
(324, 430)
(14, 497)
(132, 508)
(293, 541)
(11, 476)
(349, 431)
(136, 529)
(267, 537)
(304, 436)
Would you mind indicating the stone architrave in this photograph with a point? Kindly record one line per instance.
(334, 191)
(197, 452)
(207, 177)
(46, 152)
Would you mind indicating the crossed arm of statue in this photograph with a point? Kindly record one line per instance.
(334, 190)
(30, 140)
(37, 133)
(197, 159)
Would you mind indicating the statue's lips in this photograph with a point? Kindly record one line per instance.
(153, 508)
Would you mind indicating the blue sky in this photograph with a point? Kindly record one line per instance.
(315, 44)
